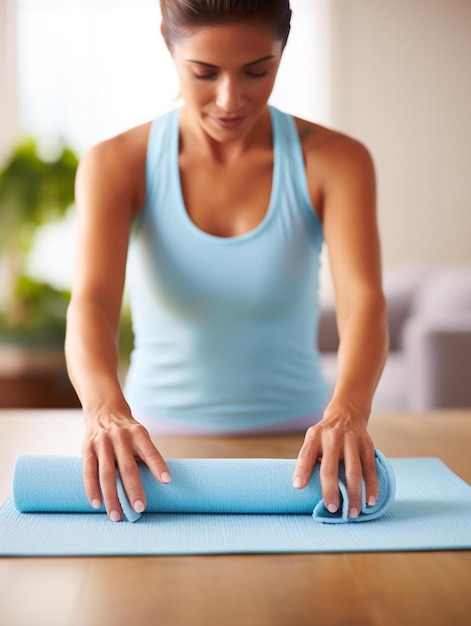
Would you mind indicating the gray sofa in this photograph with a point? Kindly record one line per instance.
(429, 318)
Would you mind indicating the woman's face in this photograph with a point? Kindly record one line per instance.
(226, 76)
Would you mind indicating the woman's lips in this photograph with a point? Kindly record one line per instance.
(228, 122)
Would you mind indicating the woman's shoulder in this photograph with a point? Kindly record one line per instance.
(332, 156)
(119, 162)
(121, 149)
(328, 144)
(332, 159)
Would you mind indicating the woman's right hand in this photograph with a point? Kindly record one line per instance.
(118, 442)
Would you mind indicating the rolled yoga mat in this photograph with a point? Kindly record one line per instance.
(53, 484)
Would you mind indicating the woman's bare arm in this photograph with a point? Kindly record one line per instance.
(351, 234)
(106, 201)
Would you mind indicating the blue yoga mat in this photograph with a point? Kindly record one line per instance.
(233, 506)
(253, 486)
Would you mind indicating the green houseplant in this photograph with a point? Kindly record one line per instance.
(33, 191)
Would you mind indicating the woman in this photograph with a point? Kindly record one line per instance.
(226, 202)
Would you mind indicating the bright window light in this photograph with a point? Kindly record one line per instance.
(89, 69)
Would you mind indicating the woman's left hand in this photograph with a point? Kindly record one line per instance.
(341, 435)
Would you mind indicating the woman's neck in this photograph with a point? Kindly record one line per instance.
(195, 138)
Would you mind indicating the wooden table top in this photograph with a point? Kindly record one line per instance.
(345, 589)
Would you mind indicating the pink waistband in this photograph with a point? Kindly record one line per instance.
(160, 427)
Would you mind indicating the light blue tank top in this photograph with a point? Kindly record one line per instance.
(225, 328)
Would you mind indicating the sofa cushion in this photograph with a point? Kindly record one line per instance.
(444, 291)
(436, 356)
(389, 396)
(400, 285)
(328, 336)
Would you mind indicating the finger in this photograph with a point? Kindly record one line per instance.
(107, 474)
(307, 458)
(90, 478)
(353, 475)
(329, 474)
(130, 477)
(370, 475)
(149, 455)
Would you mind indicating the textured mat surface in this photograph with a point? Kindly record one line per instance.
(431, 510)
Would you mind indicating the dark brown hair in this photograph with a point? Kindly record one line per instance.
(182, 16)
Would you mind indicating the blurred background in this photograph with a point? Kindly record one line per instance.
(393, 73)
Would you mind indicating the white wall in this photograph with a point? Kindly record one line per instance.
(77, 80)
(301, 86)
(8, 93)
(401, 82)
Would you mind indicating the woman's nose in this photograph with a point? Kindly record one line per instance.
(229, 96)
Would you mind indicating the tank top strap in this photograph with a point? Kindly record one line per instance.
(293, 180)
(160, 152)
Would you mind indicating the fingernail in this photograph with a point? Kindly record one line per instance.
(139, 506)
(353, 513)
(298, 482)
(115, 516)
(371, 501)
(332, 507)
(165, 477)
(96, 504)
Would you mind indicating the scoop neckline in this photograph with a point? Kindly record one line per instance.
(262, 225)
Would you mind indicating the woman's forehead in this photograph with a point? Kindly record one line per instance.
(247, 41)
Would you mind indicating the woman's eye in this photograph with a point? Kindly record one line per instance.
(205, 76)
(257, 74)
(214, 75)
